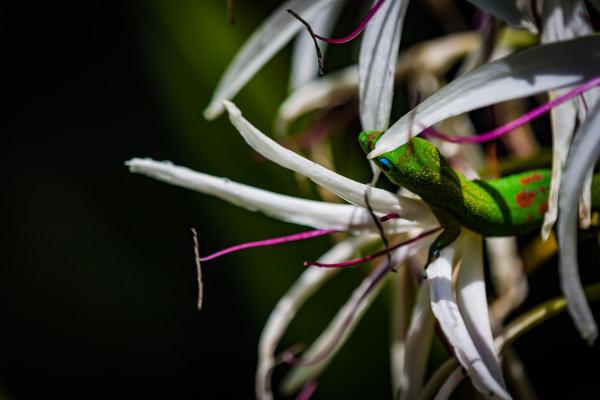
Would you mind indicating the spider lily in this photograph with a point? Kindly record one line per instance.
(415, 218)
(457, 301)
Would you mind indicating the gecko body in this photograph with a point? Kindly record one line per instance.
(509, 206)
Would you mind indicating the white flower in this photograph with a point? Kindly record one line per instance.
(474, 340)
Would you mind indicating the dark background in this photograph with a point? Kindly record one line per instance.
(97, 282)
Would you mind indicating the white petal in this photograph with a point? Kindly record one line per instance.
(316, 214)
(268, 39)
(563, 120)
(376, 64)
(304, 65)
(418, 344)
(541, 68)
(347, 318)
(445, 309)
(472, 303)
(400, 317)
(562, 20)
(450, 385)
(287, 307)
(506, 270)
(347, 189)
(434, 55)
(507, 11)
(582, 157)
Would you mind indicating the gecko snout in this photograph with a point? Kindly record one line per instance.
(368, 139)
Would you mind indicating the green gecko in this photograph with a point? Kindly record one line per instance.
(509, 206)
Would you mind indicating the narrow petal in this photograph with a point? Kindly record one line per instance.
(541, 68)
(268, 39)
(582, 157)
(287, 307)
(450, 384)
(562, 20)
(435, 56)
(508, 278)
(472, 303)
(343, 324)
(347, 189)
(316, 214)
(376, 64)
(400, 317)
(418, 344)
(507, 11)
(304, 66)
(445, 309)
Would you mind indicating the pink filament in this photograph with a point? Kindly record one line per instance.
(371, 256)
(522, 120)
(358, 30)
(284, 239)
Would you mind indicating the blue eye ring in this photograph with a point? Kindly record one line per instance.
(385, 164)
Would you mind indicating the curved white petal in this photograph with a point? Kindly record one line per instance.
(562, 20)
(304, 65)
(472, 303)
(347, 189)
(376, 64)
(450, 385)
(287, 307)
(508, 278)
(347, 318)
(582, 157)
(445, 309)
(316, 214)
(268, 39)
(508, 11)
(541, 68)
(418, 344)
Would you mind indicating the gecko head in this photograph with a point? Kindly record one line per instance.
(409, 165)
(387, 161)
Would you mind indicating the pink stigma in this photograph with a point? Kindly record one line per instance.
(522, 120)
(371, 256)
(284, 239)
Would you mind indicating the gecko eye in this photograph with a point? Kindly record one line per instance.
(385, 164)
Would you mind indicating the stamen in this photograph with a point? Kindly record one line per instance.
(522, 120)
(284, 239)
(361, 27)
(373, 280)
(371, 256)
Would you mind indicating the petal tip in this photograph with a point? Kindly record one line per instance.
(214, 109)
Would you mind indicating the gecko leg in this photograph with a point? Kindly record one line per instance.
(451, 231)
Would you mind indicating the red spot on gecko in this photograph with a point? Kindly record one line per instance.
(525, 198)
(526, 180)
(543, 208)
(542, 189)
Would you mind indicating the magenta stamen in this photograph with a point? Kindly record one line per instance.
(371, 256)
(270, 242)
(284, 239)
(522, 120)
(308, 390)
(361, 27)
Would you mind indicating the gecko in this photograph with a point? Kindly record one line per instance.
(508, 206)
